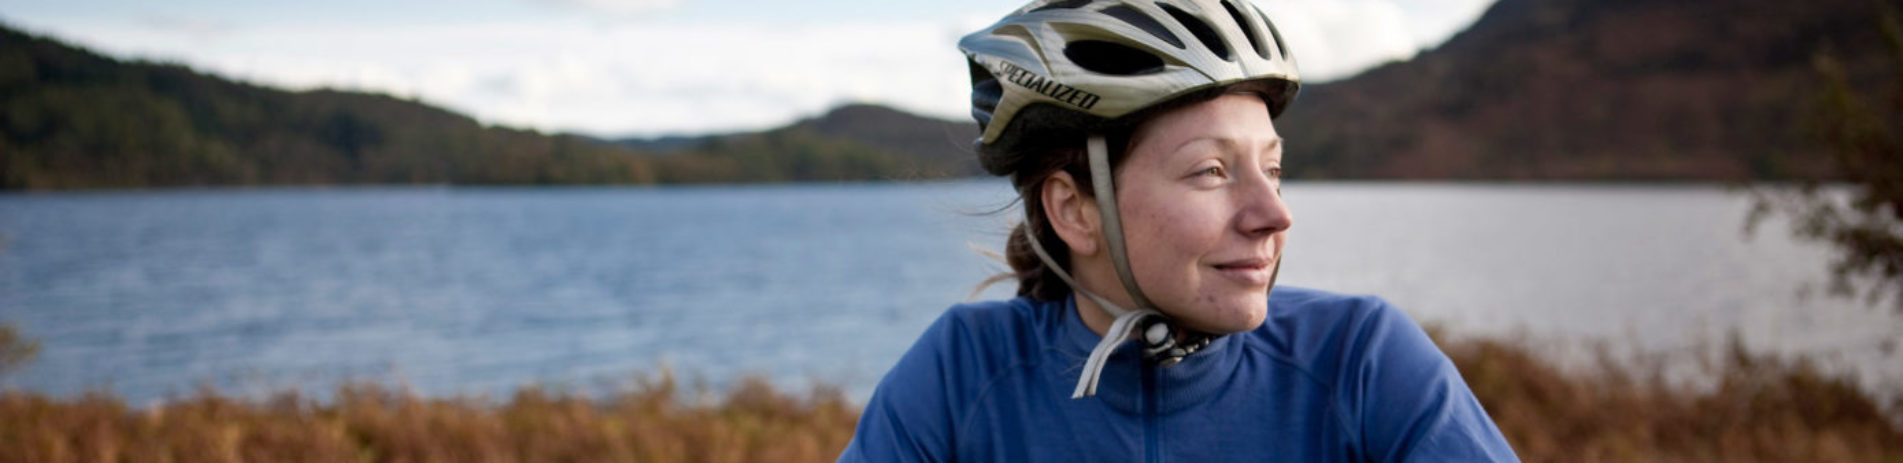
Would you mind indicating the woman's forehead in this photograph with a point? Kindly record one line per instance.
(1234, 121)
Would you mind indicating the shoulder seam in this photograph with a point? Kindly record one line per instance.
(1334, 392)
(1343, 422)
(995, 377)
(964, 416)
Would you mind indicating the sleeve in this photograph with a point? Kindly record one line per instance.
(910, 418)
(1412, 404)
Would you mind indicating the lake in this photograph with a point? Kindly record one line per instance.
(482, 290)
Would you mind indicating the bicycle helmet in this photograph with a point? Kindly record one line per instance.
(1058, 67)
(1082, 64)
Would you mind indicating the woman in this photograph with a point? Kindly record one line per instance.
(1140, 137)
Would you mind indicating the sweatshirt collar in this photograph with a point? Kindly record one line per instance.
(1200, 376)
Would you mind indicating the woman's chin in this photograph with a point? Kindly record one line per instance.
(1234, 317)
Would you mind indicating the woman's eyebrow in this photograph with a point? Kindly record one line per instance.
(1275, 144)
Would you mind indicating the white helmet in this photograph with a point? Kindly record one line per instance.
(1082, 64)
(1060, 68)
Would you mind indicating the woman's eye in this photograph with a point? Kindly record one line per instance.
(1210, 172)
(1274, 172)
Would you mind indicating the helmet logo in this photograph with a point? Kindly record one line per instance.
(1060, 92)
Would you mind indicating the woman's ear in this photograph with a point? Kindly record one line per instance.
(1071, 214)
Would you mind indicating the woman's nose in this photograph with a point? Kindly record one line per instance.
(1263, 212)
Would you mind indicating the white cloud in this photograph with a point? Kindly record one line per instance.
(1335, 39)
(197, 28)
(1436, 20)
(616, 7)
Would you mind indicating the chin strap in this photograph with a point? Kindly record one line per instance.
(1151, 320)
(1158, 334)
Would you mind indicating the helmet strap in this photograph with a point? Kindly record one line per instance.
(1103, 180)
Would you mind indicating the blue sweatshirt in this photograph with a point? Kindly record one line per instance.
(1325, 378)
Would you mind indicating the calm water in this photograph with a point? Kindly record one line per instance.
(478, 291)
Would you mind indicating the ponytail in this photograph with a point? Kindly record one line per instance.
(1034, 278)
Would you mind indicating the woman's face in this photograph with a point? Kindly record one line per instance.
(1202, 212)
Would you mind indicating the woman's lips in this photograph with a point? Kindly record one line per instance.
(1252, 272)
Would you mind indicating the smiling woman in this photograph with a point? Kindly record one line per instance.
(1155, 211)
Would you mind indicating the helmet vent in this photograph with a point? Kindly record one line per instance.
(1143, 21)
(1261, 49)
(1111, 58)
(1201, 30)
(1279, 46)
(1061, 5)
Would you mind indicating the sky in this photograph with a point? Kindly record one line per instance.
(643, 68)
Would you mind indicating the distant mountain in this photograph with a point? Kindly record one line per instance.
(70, 118)
(943, 143)
(1534, 90)
(1590, 89)
(668, 144)
(906, 145)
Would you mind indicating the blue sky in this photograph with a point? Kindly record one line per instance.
(616, 68)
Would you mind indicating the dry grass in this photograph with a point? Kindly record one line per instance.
(1755, 408)
(650, 422)
(1758, 409)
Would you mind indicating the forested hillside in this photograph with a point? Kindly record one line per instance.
(70, 118)
(1593, 89)
(1533, 90)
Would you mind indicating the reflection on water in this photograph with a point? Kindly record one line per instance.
(483, 290)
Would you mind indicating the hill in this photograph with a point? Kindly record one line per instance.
(1591, 89)
(70, 118)
(1533, 90)
(881, 141)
